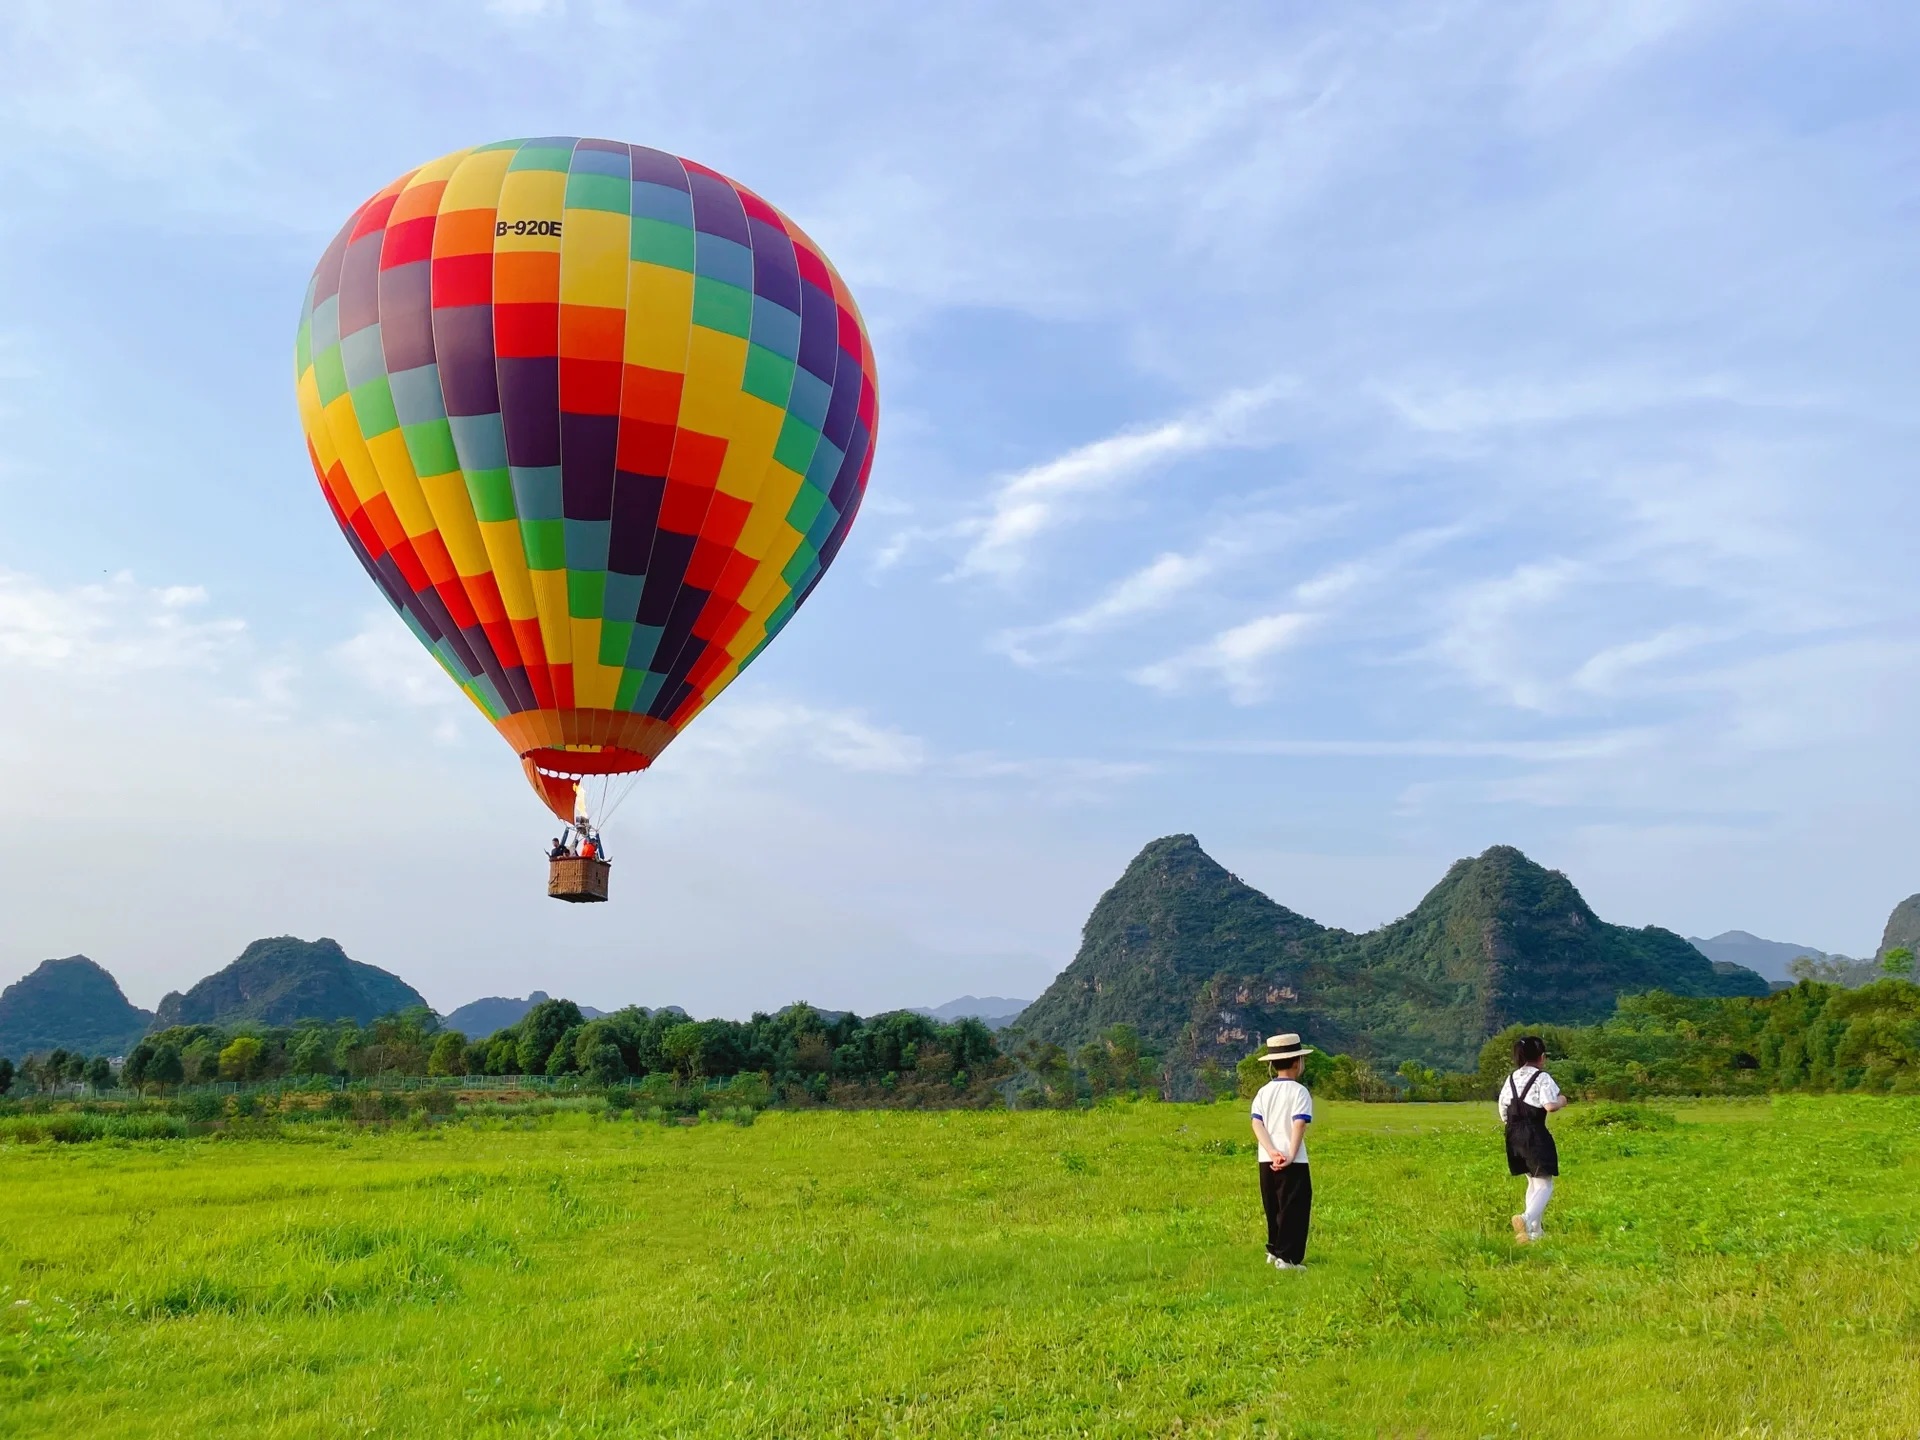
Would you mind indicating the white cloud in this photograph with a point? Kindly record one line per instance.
(1489, 634)
(1583, 747)
(522, 10)
(1146, 590)
(749, 733)
(1604, 672)
(1234, 657)
(1478, 409)
(1036, 500)
(384, 656)
(1164, 580)
(108, 630)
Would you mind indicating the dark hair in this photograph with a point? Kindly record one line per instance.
(1527, 1049)
(1274, 1067)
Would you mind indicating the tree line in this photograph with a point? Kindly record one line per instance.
(806, 1054)
(1812, 1036)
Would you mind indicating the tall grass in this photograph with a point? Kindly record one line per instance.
(1739, 1269)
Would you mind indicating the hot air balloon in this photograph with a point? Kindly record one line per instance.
(596, 420)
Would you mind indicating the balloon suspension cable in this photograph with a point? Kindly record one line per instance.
(598, 798)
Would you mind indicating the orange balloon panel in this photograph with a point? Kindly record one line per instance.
(596, 420)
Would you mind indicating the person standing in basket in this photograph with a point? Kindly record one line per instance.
(1281, 1113)
(1526, 1100)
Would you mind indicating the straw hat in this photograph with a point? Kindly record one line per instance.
(1285, 1047)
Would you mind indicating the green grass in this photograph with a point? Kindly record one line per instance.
(1753, 1270)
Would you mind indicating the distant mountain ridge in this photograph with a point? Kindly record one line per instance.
(1203, 964)
(285, 979)
(1766, 958)
(996, 1012)
(70, 1004)
(478, 1019)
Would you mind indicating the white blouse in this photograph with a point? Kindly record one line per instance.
(1544, 1092)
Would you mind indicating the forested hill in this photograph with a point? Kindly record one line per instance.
(1172, 923)
(70, 1003)
(279, 981)
(1204, 965)
(496, 1012)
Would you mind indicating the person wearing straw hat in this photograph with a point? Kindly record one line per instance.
(1281, 1113)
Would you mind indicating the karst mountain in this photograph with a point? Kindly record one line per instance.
(1203, 965)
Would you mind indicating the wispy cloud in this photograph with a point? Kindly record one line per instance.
(1583, 747)
(1606, 671)
(384, 656)
(1479, 407)
(1235, 657)
(744, 733)
(769, 730)
(113, 629)
(1489, 635)
(1167, 579)
(1029, 503)
(523, 10)
(1146, 590)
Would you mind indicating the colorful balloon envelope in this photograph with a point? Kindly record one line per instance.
(596, 420)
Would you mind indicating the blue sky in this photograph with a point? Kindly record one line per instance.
(1355, 434)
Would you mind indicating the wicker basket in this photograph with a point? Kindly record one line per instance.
(577, 879)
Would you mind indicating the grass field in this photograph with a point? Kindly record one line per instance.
(1751, 1271)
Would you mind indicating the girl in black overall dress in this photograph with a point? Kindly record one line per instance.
(1526, 1099)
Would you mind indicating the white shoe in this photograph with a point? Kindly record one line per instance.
(1280, 1264)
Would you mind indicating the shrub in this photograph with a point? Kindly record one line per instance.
(1611, 1115)
(202, 1106)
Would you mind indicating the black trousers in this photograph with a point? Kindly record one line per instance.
(1287, 1196)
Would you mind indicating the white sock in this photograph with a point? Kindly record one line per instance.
(1539, 1191)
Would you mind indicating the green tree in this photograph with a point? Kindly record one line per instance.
(240, 1060)
(1249, 1075)
(134, 1073)
(681, 1047)
(1050, 1067)
(346, 1049)
(1096, 1061)
(1898, 962)
(100, 1073)
(449, 1055)
(1123, 1045)
(1423, 1082)
(7, 1073)
(309, 1054)
(597, 1054)
(201, 1058)
(540, 1030)
(560, 1060)
(166, 1067)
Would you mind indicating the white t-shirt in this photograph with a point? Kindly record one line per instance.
(1544, 1091)
(1277, 1106)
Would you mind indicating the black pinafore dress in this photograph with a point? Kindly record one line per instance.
(1530, 1147)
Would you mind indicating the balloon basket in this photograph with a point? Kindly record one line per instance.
(576, 879)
